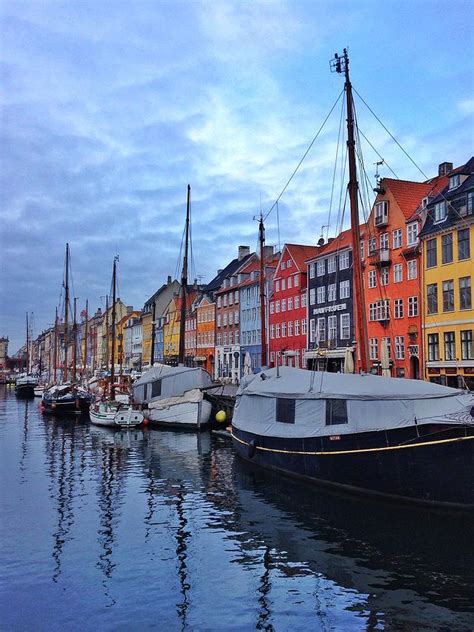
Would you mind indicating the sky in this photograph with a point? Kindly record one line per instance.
(110, 109)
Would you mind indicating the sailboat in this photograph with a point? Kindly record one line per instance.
(173, 396)
(25, 383)
(107, 411)
(402, 439)
(67, 396)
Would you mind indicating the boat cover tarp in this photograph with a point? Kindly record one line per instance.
(175, 381)
(190, 397)
(373, 403)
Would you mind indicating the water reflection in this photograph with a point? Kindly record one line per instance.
(136, 511)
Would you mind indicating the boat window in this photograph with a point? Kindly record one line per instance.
(156, 388)
(336, 411)
(285, 410)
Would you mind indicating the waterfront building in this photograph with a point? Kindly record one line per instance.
(171, 326)
(190, 336)
(447, 244)
(250, 309)
(227, 351)
(330, 311)
(392, 279)
(287, 314)
(205, 333)
(155, 306)
(3, 353)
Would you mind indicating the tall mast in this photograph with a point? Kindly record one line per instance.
(86, 333)
(27, 344)
(341, 65)
(112, 359)
(184, 284)
(66, 312)
(261, 237)
(153, 335)
(107, 332)
(55, 352)
(74, 343)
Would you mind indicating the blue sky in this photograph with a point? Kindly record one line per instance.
(109, 109)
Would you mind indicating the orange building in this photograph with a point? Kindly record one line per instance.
(392, 269)
(205, 334)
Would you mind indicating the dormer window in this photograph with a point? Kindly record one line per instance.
(381, 213)
(440, 211)
(454, 181)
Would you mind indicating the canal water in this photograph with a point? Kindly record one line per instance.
(142, 530)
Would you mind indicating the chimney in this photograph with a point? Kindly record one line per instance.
(267, 252)
(169, 280)
(243, 252)
(445, 168)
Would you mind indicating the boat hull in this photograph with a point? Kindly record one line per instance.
(65, 406)
(186, 415)
(427, 470)
(116, 419)
(26, 391)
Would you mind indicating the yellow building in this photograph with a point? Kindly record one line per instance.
(171, 331)
(448, 270)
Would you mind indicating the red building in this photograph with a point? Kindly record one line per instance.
(393, 288)
(288, 313)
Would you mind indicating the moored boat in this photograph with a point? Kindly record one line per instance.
(25, 385)
(405, 439)
(115, 415)
(65, 398)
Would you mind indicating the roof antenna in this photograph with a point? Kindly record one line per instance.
(321, 238)
(378, 188)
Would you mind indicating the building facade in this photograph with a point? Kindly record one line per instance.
(205, 334)
(330, 311)
(288, 306)
(447, 243)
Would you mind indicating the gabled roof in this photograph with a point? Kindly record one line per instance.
(230, 269)
(409, 195)
(343, 240)
(300, 253)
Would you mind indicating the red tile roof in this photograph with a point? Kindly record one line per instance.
(343, 240)
(300, 253)
(409, 194)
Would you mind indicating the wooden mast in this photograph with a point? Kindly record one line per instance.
(106, 332)
(86, 333)
(261, 236)
(153, 335)
(27, 344)
(184, 284)
(74, 343)
(66, 313)
(112, 359)
(341, 65)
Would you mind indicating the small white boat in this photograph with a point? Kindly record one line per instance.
(115, 415)
(39, 390)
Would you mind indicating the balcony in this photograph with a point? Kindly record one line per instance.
(380, 258)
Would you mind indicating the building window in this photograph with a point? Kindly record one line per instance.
(218, 301)
(321, 294)
(231, 338)
(311, 270)
(289, 263)
(454, 181)
(236, 297)
(465, 293)
(433, 347)
(345, 326)
(440, 211)
(297, 327)
(398, 308)
(272, 307)
(218, 320)
(412, 306)
(277, 307)
(412, 234)
(290, 304)
(466, 345)
(321, 330)
(388, 344)
(397, 238)
(303, 300)
(400, 347)
(283, 284)
(272, 331)
(381, 213)
(374, 348)
(285, 411)
(384, 241)
(332, 292)
(312, 330)
(372, 278)
(464, 246)
(344, 260)
(283, 265)
(312, 296)
(431, 257)
(224, 300)
(231, 298)
(297, 302)
(277, 330)
(336, 412)
(321, 267)
(432, 296)
(296, 280)
(447, 248)
(398, 273)
(283, 305)
(283, 330)
(332, 267)
(384, 276)
(290, 282)
(362, 249)
(277, 286)
(470, 203)
(344, 289)
(290, 328)
(332, 327)
(449, 345)
(412, 269)
(372, 246)
(448, 296)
